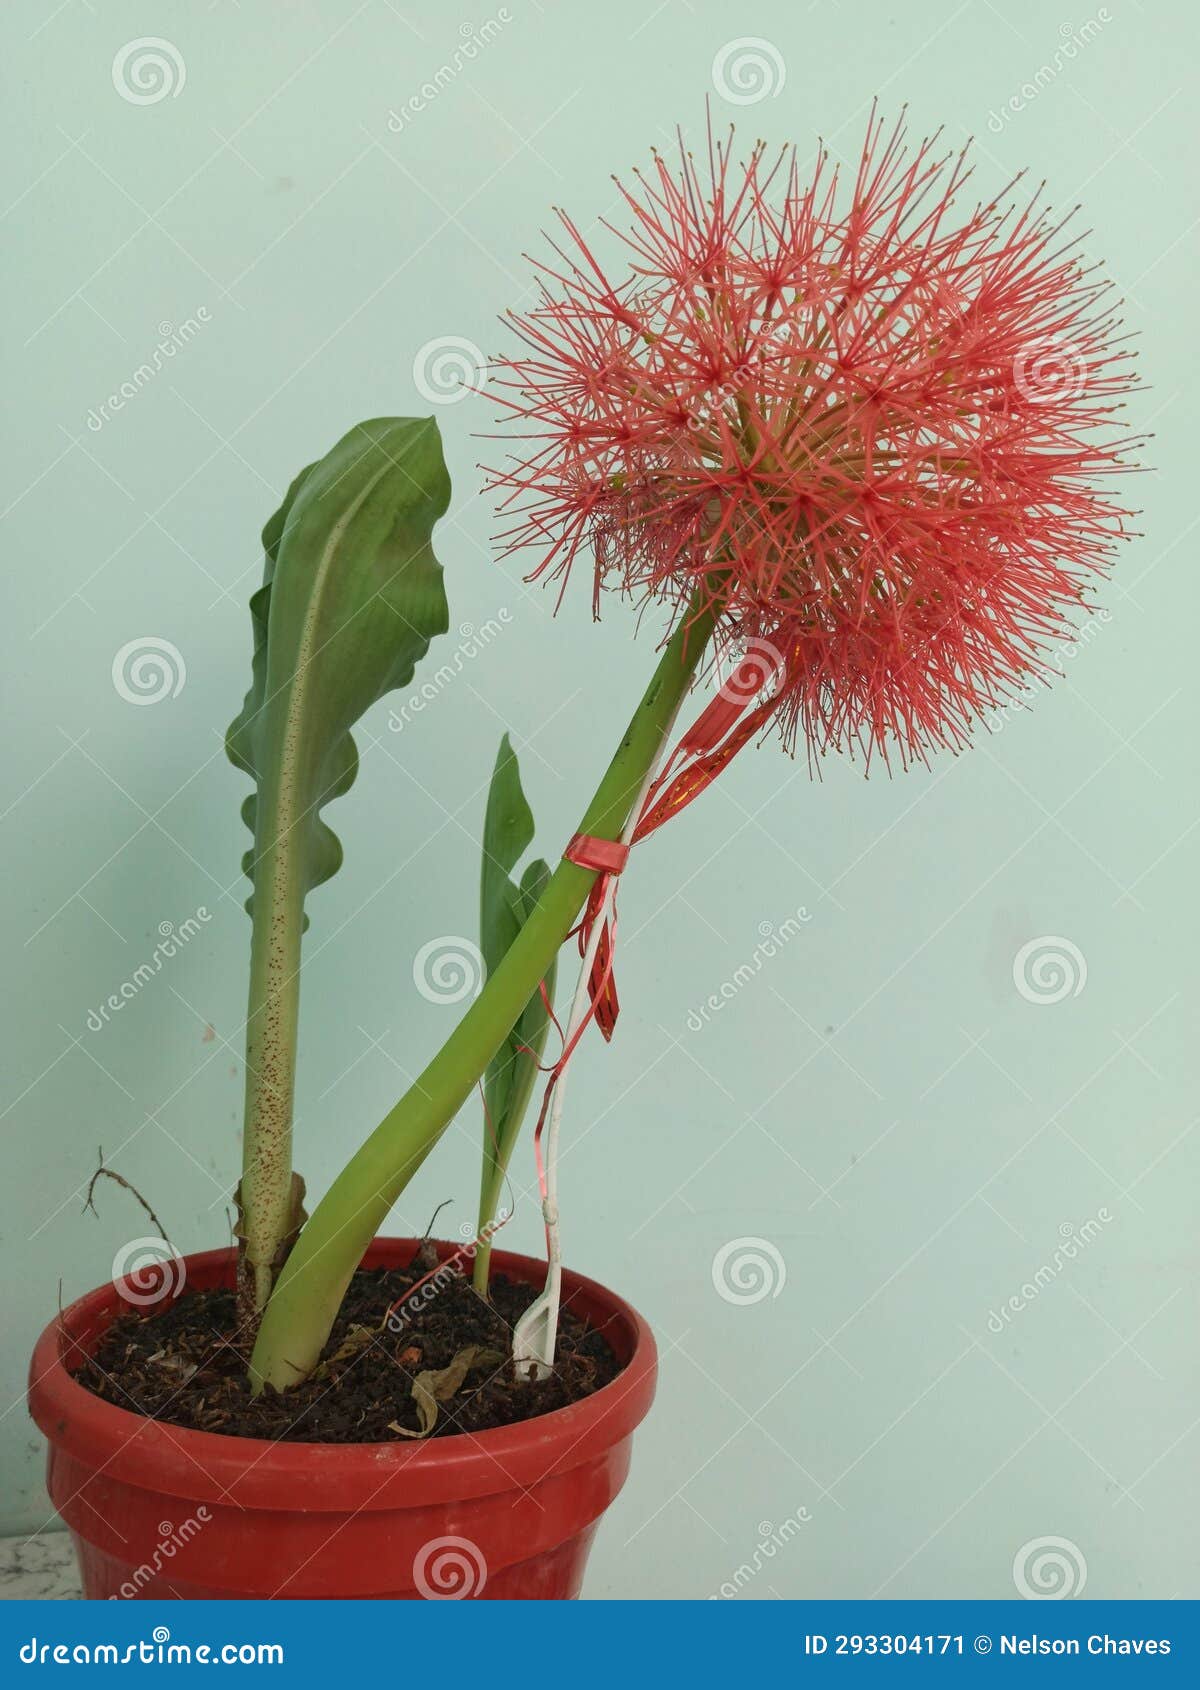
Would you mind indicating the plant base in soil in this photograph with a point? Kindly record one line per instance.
(181, 1364)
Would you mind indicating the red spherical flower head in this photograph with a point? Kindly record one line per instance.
(876, 438)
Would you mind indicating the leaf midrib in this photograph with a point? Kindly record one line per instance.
(300, 689)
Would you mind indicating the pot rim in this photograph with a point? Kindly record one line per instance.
(292, 1476)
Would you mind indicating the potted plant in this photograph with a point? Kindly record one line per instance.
(860, 447)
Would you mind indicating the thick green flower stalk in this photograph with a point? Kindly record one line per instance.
(310, 1288)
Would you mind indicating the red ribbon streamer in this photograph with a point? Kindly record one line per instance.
(716, 736)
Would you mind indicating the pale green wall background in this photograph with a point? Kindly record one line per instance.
(912, 1137)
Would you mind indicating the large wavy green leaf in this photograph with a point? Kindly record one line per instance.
(351, 597)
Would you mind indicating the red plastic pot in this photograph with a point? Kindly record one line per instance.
(160, 1512)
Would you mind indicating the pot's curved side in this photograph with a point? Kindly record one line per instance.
(159, 1512)
(529, 1545)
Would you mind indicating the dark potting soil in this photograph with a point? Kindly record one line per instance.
(181, 1364)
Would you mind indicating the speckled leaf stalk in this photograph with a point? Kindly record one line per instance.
(351, 597)
(314, 1278)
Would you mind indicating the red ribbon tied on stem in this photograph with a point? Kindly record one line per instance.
(720, 731)
(714, 738)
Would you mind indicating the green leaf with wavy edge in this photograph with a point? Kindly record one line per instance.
(504, 907)
(351, 597)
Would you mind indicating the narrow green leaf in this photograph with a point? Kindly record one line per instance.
(529, 1035)
(504, 908)
(507, 831)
